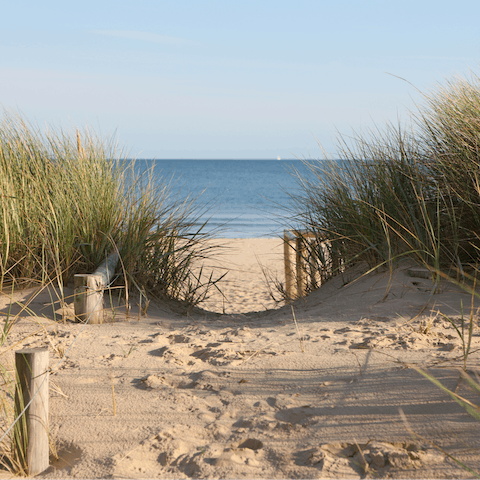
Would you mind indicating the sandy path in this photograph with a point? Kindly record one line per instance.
(245, 288)
(246, 395)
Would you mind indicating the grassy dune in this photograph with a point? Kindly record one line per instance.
(69, 198)
(404, 191)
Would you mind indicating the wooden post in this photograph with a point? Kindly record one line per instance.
(296, 240)
(314, 272)
(88, 297)
(299, 264)
(31, 431)
(287, 249)
(88, 290)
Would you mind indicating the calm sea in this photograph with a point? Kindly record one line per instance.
(248, 197)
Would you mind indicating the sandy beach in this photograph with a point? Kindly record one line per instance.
(249, 262)
(250, 394)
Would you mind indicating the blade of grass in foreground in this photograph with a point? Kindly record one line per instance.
(471, 408)
(451, 457)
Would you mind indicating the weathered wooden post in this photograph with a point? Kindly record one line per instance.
(31, 430)
(287, 251)
(88, 298)
(300, 263)
(88, 290)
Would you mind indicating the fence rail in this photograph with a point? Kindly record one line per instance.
(88, 290)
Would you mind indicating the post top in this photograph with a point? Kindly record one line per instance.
(32, 350)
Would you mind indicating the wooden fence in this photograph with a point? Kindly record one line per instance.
(308, 263)
(31, 427)
(88, 290)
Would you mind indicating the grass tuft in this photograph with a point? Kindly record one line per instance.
(406, 192)
(69, 199)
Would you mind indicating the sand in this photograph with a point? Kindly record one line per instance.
(250, 262)
(252, 395)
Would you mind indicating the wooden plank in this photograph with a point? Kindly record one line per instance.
(31, 431)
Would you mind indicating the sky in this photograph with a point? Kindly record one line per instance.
(230, 79)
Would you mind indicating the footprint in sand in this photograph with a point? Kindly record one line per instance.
(155, 382)
(163, 450)
(350, 460)
(182, 338)
(204, 380)
(239, 334)
(67, 456)
(172, 455)
(249, 453)
(303, 416)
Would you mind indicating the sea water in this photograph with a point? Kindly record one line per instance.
(245, 198)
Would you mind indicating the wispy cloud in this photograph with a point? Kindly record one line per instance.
(146, 37)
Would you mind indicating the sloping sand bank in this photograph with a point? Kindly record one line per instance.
(250, 395)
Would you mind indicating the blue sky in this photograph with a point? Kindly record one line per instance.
(229, 79)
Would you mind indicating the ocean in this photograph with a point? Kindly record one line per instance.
(247, 198)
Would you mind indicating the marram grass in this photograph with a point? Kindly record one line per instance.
(67, 199)
(404, 191)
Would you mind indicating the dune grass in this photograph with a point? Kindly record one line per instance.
(68, 199)
(405, 192)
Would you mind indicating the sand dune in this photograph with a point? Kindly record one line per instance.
(250, 395)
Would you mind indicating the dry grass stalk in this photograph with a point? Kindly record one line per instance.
(69, 200)
(301, 338)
